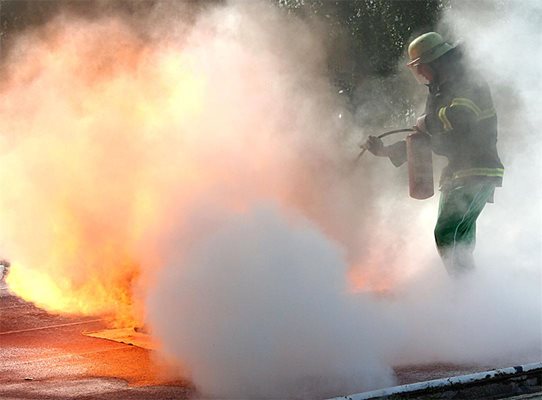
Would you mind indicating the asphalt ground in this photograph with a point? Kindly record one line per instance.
(46, 356)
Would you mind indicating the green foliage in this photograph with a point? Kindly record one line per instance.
(367, 40)
(372, 33)
(376, 32)
(18, 15)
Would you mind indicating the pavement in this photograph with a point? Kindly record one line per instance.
(48, 356)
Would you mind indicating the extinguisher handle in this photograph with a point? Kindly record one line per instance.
(383, 135)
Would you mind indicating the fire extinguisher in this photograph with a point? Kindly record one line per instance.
(420, 165)
(420, 162)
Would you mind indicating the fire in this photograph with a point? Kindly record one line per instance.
(91, 134)
(369, 280)
(59, 294)
(108, 142)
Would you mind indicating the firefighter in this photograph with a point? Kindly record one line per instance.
(461, 121)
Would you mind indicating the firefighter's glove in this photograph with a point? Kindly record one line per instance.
(420, 124)
(376, 146)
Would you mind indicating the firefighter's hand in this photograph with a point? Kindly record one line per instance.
(376, 146)
(420, 124)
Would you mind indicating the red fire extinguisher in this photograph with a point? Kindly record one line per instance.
(420, 162)
(420, 165)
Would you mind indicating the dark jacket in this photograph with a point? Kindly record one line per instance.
(462, 122)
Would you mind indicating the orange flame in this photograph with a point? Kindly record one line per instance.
(86, 121)
(105, 141)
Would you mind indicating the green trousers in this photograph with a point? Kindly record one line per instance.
(455, 231)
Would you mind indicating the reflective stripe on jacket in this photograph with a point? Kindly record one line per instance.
(462, 121)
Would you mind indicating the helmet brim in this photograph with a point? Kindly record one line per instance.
(414, 62)
(431, 55)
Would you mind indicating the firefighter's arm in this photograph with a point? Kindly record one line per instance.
(457, 117)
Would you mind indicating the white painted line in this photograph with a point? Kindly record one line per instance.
(63, 356)
(51, 326)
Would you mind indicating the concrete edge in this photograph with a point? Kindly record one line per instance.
(443, 384)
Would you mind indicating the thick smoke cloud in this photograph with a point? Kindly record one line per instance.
(259, 308)
(427, 318)
(194, 174)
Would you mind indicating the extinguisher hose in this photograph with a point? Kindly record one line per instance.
(383, 135)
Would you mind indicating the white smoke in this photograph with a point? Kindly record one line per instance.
(260, 243)
(258, 299)
(491, 318)
(260, 308)
(259, 277)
